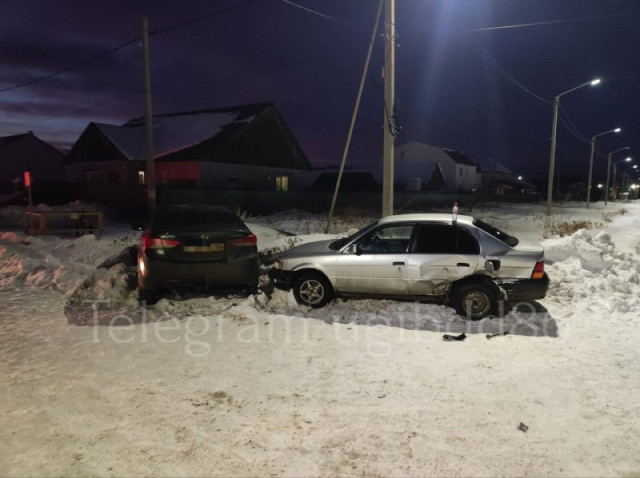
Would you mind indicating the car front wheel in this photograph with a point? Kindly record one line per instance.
(313, 290)
(474, 301)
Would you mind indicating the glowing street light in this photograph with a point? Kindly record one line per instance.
(593, 147)
(606, 192)
(552, 156)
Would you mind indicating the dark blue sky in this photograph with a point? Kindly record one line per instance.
(460, 84)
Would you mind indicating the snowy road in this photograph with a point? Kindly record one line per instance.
(239, 386)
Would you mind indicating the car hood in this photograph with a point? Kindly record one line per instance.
(309, 249)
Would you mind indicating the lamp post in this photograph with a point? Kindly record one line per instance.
(626, 177)
(593, 147)
(615, 169)
(606, 191)
(552, 156)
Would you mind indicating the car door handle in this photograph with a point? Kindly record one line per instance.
(463, 264)
(398, 263)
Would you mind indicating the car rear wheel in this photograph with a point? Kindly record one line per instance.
(474, 300)
(149, 297)
(312, 289)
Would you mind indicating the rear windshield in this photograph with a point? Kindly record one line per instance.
(497, 233)
(181, 218)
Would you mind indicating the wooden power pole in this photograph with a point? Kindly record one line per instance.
(389, 102)
(149, 153)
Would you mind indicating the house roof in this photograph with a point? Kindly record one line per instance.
(7, 140)
(459, 158)
(176, 131)
(493, 166)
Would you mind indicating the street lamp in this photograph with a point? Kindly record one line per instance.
(615, 169)
(552, 157)
(593, 147)
(626, 175)
(606, 191)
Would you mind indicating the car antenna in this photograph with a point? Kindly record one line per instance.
(454, 215)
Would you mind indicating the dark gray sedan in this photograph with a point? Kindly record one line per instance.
(196, 245)
(458, 260)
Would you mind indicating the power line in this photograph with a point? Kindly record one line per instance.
(204, 17)
(68, 69)
(552, 22)
(489, 59)
(119, 47)
(289, 2)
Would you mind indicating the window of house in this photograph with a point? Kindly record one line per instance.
(460, 169)
(282, 183)
(445, 239)
(91, 176)
(141, 178)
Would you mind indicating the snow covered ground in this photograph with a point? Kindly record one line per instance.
(230, 385)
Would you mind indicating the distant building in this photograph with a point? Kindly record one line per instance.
(498, 180)
(420, 166)
(248, 147)
(23, 152)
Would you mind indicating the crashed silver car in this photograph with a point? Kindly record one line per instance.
(458, 260)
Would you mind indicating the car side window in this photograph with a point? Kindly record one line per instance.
(444, 239)
(387, 240)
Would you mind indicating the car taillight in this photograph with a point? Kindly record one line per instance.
(538, 270)
(150, 242)
(245, 241)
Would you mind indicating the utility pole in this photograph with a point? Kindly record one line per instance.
(593, 147)
(389, 102)
(151, 171)
(552, 156)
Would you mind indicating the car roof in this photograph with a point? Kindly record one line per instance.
(427, 217)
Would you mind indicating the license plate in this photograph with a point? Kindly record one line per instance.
(216, 247)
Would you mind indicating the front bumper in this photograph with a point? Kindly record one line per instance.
(281, 279)
(526, 289)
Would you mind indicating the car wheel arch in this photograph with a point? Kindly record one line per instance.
(476, 278)
(485, 287)
(312, 288)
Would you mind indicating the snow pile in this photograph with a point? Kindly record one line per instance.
(586, 269)
(67, 265)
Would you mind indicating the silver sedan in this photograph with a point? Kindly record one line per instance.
(457, 260)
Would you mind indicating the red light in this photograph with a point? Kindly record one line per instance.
(246, 241)
(538, 270)
(150, 242)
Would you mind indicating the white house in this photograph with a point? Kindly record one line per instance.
(421, 166)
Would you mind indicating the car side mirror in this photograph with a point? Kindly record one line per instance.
(354, 249)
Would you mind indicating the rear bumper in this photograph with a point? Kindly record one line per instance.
(526, 289)
(161, 274)
(281, 279)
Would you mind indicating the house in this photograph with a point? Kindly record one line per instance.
(248, 147)
(22, 152)
(350, 182)
(420, 166)
(498, 180)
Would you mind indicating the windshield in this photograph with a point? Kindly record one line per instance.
(497, 233)
(340, 243)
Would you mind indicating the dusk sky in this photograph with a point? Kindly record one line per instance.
(462, 83)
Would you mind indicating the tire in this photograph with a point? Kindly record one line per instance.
(313, 290)
(150, 297)
(480, 298)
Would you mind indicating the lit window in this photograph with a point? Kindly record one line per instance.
(282, 183)
(141, 179)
